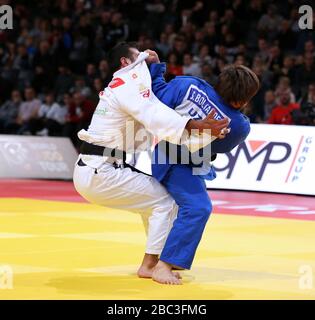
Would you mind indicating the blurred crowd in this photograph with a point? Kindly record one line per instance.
(53, 62)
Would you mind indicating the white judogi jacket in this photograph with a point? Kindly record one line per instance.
(128, 114)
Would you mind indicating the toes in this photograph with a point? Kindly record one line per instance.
(170, 281)
(174, 281)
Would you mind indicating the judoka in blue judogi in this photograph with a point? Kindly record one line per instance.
(195, 97)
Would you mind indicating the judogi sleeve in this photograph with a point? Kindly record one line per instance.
(156, 117)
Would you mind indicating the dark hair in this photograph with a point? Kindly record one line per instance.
(237, 84)
(120, 50)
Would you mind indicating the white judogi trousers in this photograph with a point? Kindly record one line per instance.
(123, 188)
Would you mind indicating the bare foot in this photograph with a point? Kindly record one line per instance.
(162, 273)
(147, 266)
(145, 272)
(177, 275)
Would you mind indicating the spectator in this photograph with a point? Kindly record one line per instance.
(104, 72)
(220, 65)
(204, 56)
(173, 67)
(263, 50)
(28, 111)
(269, 23)
(44, 59)
(154, 14)
(80, 86)
(30, 46)
(163, 45)
(288, 69)
(118, 30)
(270, 103)
(64, 80)
(286, 37)
(222, 53)
(282, 113)
(79, 53)
(179, 48)
(22, 65)
(79, 114)
(198, 41)
(284, 86)
(208, 75)
(309, 97)
(309, 48)
(275, 59)
(170, 33)
(98, 86)
(8, 113)
(306, 72)
(265, 75)
(51, 117)
(306, 115)
(240, 60)
(91, 74)
(62, 47)
(189, 67)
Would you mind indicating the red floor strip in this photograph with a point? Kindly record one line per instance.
(226, 202)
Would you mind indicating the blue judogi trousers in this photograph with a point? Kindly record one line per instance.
(190, 193)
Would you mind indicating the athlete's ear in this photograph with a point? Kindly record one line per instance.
(124, 62)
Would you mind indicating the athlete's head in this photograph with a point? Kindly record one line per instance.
(123, 54)
(237, 85)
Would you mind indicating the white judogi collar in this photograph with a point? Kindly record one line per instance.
(141, 58)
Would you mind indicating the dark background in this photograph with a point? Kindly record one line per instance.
(53, 63)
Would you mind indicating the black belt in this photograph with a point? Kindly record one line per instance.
(92, 149)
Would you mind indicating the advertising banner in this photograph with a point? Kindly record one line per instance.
(274, 158)
(36, 157)
(278, 158)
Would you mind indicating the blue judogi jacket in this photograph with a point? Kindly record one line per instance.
(195, 97)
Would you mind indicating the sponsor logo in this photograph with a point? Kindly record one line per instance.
(142, 87)
(257, 149)
(144, 91)
(299, 159)
(116, 83)
(100, 111)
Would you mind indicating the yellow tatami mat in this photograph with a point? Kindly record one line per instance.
(67, 250)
